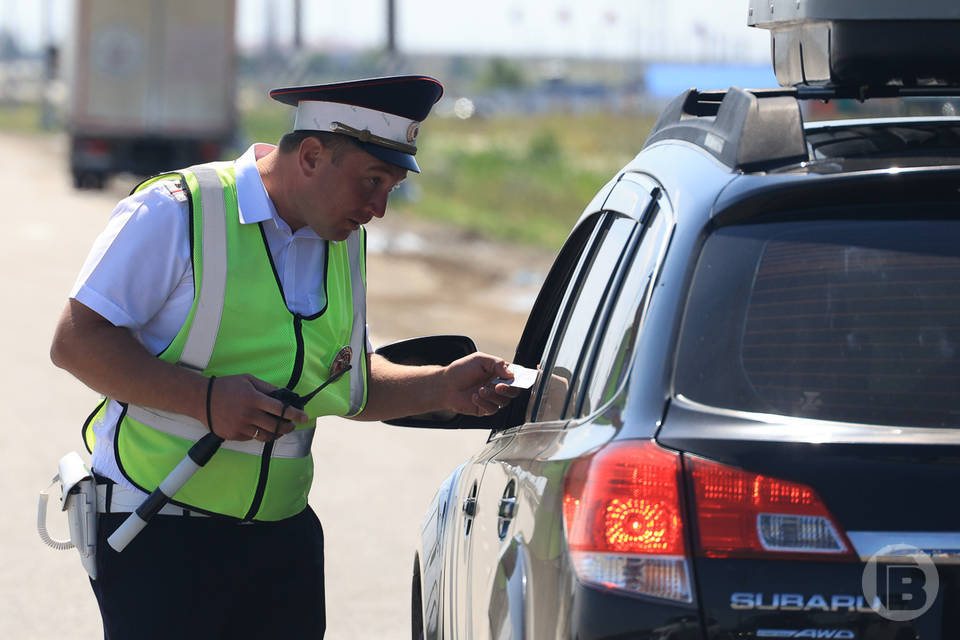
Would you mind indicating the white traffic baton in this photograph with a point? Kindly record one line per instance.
(198, 455)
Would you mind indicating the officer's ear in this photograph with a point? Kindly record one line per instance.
(313, 155)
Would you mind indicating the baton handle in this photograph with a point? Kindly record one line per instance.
(198, 455)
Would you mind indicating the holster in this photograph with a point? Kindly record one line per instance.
(78, 497)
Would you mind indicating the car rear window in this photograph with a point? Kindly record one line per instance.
(847, 320)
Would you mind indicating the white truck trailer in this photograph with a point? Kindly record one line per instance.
(152, 86)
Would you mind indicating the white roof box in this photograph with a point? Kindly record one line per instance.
(862, 44)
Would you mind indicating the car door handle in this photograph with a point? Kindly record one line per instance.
(470, 507)
(507, 508)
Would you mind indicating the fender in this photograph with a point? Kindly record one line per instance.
(507, 613)
(432, 549)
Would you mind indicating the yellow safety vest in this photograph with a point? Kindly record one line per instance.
(239, 323)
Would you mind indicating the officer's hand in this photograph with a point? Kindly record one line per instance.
(469, 385)
(240, 409)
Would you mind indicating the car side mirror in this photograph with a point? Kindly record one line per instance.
(439, 350)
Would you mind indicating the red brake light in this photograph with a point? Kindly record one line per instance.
(745, 514)
(624, 520)
(95, 147)
(625, 499)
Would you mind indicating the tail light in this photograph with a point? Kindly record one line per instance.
(94, 147)
(747, 514)
(624, 520)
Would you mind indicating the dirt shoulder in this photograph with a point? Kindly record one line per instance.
(426, 278)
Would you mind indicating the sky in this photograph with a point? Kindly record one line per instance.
(670, 30)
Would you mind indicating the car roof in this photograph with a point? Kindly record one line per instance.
(871, 144)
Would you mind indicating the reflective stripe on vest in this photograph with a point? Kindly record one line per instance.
(267, 481)
(213, 281)
(295, 444)
(358, 334)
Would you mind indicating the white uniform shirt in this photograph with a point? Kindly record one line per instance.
(139, 273)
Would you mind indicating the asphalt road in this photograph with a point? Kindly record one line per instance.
(372, 482)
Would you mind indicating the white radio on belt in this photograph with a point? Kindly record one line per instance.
(78, 498)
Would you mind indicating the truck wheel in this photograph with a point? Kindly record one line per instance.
(89, 179)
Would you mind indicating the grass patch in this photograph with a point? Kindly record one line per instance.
(21, 118)
(524, 179)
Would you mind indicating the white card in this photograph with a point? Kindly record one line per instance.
(523, 378)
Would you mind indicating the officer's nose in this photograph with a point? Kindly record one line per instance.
(378, 206)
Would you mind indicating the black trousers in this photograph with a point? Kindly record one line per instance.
(188, 577)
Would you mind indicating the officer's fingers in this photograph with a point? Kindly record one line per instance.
(273, 405)
(499, 394)
(506, 391)
(263, 435)
(267, 433)
(485, 407)
(272, 426)
(282, 428)
(238, 432)
(277, 408)
(261, 385)
(492, 366)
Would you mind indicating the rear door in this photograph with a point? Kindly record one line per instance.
(817, 398)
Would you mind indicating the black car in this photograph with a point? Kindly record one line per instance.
(747, 418)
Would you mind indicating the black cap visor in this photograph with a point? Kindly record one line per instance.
(390, 156)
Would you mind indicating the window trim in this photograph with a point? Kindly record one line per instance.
(663, 208)
(623, 269)
(598, 325)
(648, 194)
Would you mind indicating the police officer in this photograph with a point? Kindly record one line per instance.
(210, 288)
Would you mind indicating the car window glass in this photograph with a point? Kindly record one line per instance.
(549, 300)
(855, 321)
(616, 347)
(576, 323)
(537, 331)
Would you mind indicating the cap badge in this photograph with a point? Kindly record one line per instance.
(412, 131)
(344, 356)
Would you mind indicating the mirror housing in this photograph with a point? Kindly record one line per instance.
(438, 350)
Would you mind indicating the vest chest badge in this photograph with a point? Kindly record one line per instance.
(344, 356)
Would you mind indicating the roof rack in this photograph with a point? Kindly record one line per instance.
(748, 130)
(866, 92)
